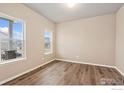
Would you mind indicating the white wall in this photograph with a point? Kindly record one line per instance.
(120, 39)
(92, 39)
(35, 25)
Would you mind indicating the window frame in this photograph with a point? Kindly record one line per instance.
(24, 57)
(51, 49)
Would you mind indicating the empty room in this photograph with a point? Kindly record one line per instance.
(62, 44)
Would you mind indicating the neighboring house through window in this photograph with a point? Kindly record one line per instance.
(11, 39)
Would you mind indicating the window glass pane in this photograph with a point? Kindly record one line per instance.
(17, 30)
(48, 41)
(4, 36)
(11, 39)
(4, 26)
(17, 38)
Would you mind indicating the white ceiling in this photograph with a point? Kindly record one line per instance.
(59, 12)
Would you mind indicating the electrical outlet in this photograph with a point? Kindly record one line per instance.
(42, 58)
(77, 57)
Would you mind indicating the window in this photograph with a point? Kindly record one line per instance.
(11, 39)
(48, 42)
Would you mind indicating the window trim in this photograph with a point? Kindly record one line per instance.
(24, 55)
(51, 50)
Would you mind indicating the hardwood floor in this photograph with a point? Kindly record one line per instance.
(65, 73)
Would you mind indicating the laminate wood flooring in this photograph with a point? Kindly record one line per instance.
(65, 73)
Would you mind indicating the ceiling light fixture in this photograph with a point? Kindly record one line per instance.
(70, 5)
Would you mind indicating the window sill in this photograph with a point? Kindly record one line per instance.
(12, 60)
(48, 53)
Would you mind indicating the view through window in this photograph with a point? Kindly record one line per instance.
(11, 39)
(48, 42)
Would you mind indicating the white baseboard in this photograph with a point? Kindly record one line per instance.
(86, 63)
(119, 71)
(11, 78)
